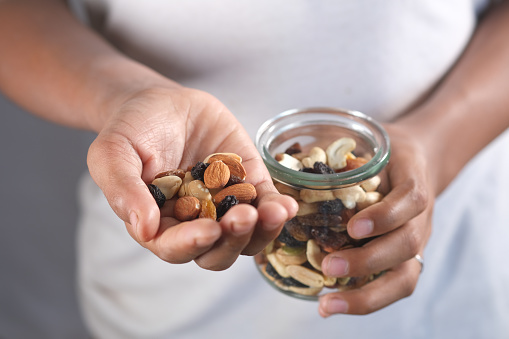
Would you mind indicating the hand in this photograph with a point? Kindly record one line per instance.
(402, 222)
(168, 128)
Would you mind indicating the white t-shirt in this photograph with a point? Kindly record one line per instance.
(261, 58)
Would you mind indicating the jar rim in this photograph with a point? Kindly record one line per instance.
(289, 119)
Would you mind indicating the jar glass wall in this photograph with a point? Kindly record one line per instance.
(330, 160)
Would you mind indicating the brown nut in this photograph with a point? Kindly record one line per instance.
(235, 166)
(216, 175)
(244, 192)
(186, 208)
(233, 155)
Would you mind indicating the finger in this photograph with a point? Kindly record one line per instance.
(237, 226)
(116, 168)
(179, 243)
(394, 285)
(403, 203)
(273, 212)
(380, 253)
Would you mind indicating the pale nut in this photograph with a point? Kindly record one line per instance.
(216, 175)
(306, 208)
(244, 192)
(169, 185)
(337, 152)
(287, 190)
(314, 254)
(278, 265)
(234, 165)
(289, 162)
(371, 199)
(186, 208)
(305, 275)
(311, 196)
(316, 154)
(233, 155)
(310, 291)
(350, 196)
(196, 188)
(289, 258)
(184, 187)
(329, 281)
(371, 184)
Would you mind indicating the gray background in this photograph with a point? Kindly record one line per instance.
(40, 166)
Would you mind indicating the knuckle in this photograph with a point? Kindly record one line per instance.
(412, 241)
(418, 194)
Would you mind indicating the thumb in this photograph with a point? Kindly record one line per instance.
(116, 168)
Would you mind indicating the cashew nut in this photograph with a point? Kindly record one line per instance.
(169, 185)
(371, 198)
(305, 275)
(315, 154)
(337, 152)
(311, 196)
(278, 265)
(184, 188)
(350, 196)
(371, 184)
(288, 258)
(289, 161)
(314, 254)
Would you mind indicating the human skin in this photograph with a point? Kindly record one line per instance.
(147, 123)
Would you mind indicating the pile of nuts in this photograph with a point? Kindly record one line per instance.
(293, 261)
(207, 190)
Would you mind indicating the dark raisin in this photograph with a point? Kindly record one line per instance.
(234, 180)
(298, 230)
(293, 149)
(272, 271)
(228, 202)
(307, 170)
(321, 168)
(198, 170)
(157, 194)
(320, 219)
(331, 206)
(292, 282)
(286, 238)
(329, 240)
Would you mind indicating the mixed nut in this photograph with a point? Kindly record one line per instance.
(206, 190)
(292, 262)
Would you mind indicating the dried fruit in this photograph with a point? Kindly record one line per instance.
(199, 170)
(293, 149)
(186, 208)
(208, 210)
(157, 194)
(216, 175)
(331, 206)
(224, 205)
(329, 240)
(321, 168)
(286, 238)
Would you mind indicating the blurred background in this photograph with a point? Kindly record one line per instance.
(40, 166)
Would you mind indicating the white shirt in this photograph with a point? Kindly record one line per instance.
(263, 57)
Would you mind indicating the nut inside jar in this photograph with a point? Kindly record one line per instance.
(292, 262)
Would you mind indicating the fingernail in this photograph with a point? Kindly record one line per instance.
(337, 267)
(335, 305)
(362, 227)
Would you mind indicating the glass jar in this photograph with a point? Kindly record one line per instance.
(330, 160)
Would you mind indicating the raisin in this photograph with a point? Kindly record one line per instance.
(234, 180)
(292, 282)
(297, 230)
(228, 202)
(307, 170)
(320, 220)
(294, 149)
(272, 271)
(286, 238)
(331, 207)
(198, 170)
(159, 197)
(321, 168)
(329, 240)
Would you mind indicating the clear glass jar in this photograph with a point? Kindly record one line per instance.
(292, 262)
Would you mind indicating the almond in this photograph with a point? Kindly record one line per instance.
(244, 192)
(233, 164)
(186, 208)
(216, 175)
(233, 155)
